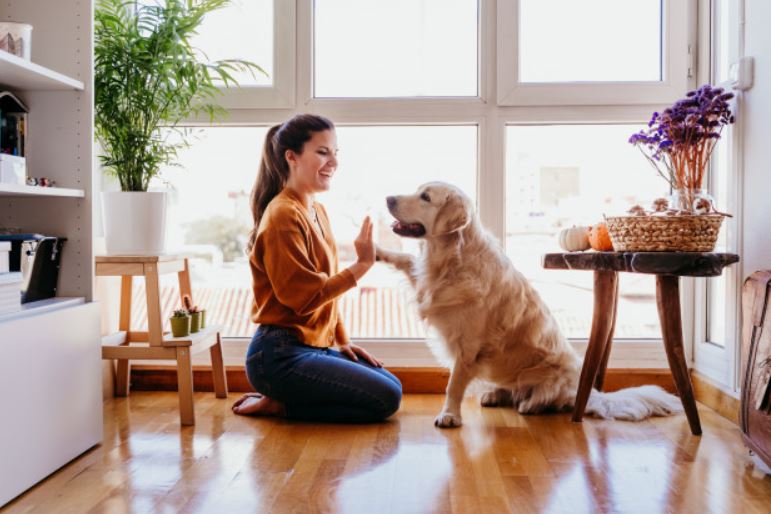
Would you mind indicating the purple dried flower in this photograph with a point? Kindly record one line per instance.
(683, 136)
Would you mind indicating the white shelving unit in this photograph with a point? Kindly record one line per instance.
(50, 350)
(16, 190)
(40, 307)
(28, 76)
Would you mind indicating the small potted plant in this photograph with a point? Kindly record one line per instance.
(180, 323)
(195, 314)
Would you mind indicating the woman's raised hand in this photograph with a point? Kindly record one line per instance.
(365, 250)
(365, 247)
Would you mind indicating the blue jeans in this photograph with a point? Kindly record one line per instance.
(319, 384)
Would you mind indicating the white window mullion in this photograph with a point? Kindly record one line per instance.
(491, 146)
(304, 53)
(492, 181)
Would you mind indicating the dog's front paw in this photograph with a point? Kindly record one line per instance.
(448, 420)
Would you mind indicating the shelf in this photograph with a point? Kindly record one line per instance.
(17, 190)
(41, 307)
(21, 74)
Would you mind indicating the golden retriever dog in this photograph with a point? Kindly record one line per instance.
(493, 324)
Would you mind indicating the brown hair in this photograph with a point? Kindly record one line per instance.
(274, 170)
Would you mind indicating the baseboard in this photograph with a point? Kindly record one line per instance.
(414, 380)
(716, 399)
(417, 380)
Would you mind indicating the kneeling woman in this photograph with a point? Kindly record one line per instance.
(293, 260)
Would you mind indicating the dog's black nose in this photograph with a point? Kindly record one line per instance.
(390, 201)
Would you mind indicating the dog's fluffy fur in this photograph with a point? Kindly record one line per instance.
(493, 324)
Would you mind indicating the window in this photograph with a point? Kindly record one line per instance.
(209, 216)
(718, 287)
(376, 162)
(722, 175)
(404, 82)
(718, 321)
(594, 173)
(398, 48)
(574, 46)
(208, 220)
(260, 31)
(242, 30)
(598, 53)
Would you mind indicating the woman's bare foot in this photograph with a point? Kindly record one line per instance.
(255, 404)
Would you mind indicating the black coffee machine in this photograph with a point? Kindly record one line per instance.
(38, 258)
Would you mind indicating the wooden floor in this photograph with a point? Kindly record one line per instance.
(498, 461)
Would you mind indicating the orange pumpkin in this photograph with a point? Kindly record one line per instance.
(599, 239)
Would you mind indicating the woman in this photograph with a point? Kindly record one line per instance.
(293, 259)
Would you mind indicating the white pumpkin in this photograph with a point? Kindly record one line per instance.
(574, 239)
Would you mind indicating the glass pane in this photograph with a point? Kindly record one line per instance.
(725, 50)
(724, 42)
(209, 217)
(564, 175)
(376, 162)
(601, 40)
(718, 287)
(372, 48)
(243, 30)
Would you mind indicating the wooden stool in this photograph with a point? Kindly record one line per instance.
(154, 344)
(668, 268)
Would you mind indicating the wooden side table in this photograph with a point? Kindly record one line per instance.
(154, 344)
(668, 268)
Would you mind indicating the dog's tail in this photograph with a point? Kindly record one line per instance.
(633, 404)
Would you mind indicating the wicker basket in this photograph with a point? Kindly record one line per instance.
(687, 233)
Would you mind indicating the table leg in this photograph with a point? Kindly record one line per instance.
(123, 372)
(153, 290)
(600, 380)
(218, 369)
(185, 386)
(122, 377)
(668, 303)
(602, 320)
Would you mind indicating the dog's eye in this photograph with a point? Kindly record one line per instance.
(425, 197)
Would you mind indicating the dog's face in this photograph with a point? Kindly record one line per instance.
(436, 209)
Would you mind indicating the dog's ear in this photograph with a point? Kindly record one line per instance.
(454, 216)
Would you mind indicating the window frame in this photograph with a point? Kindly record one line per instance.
(721, 363)
(678, 54)
(491, 118)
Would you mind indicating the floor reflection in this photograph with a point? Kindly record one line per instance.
(498, 461)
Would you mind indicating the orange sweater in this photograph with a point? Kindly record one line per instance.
(294, 272)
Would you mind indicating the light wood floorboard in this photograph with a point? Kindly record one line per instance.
(498, 461)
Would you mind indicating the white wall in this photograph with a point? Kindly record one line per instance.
(755, 120)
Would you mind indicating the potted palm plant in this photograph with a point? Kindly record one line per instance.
(148, 77)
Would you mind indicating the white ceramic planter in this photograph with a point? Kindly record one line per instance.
(134, 222)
